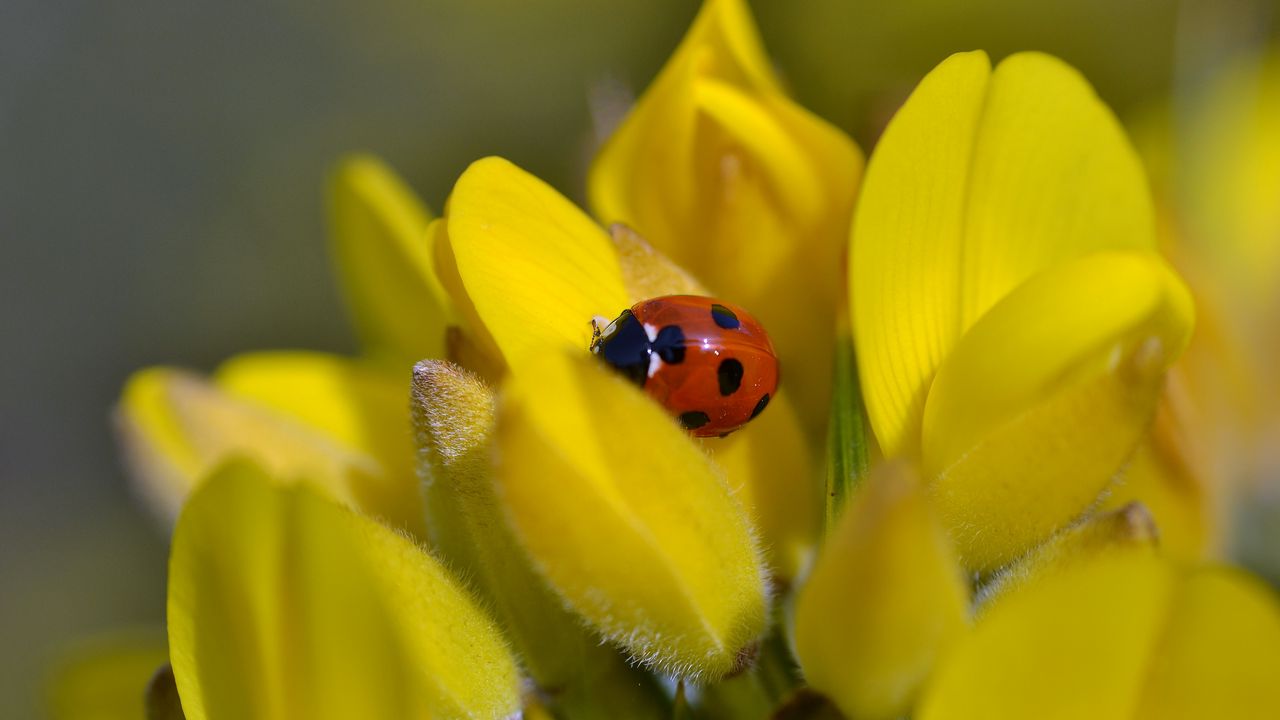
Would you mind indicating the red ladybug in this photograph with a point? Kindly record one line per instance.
(708, 362)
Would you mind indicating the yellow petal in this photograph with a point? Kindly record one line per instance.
(1125, 635)
(884, 602)
(532, 268)
(356, 405)
(285, 605)
(1042, 401)
(295, 413)
(106, 678)
(574, 672)
(980, 181)
(1075, 644)
(1220, 653)
(1168, 475)
(648, 273)
(907, 238)
(721, 171)
(1053, 177)
(626, 518)
(1130, 526)
(769, 466)
(385, 262)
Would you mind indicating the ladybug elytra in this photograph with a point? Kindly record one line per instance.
(708, 362)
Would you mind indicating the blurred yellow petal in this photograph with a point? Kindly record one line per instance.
(296, 413)
(719, 169)
(356, 405)
(1127, 634)
(285, 605)
(980, 181)
(1073, 645)
(627, 520)
(106, 678)
(1230, 179)
(1046, 396)
(1168, 475)
(532, 268)
(658, 133)
(385, 262)
(1130, 526)
(1222, 175)
(769, 466)
(574, 672)
(1220, 652)
(884, 602)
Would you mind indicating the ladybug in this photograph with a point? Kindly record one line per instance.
(708, 362)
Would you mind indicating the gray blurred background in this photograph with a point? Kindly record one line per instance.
(161, 166)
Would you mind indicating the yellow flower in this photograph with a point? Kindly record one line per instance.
(1013, 327)
(454, 415)
(751, 193)
(283, 604)
(339, 421)
(1012, 320)
(598, 483)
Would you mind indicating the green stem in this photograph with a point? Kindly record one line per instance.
(847, 444)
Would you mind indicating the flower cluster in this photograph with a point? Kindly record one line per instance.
(980, 492)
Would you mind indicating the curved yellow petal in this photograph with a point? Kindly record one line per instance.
(1127, 634)
(1042, 401)
(658, 132)
(285, 605)
(627, 520)
(384, 259)
(310, 414)
(720, 170)
(769, 466)
(105, 678)
(980, 181)
(535, 270)
(575, 674)
(884, 602)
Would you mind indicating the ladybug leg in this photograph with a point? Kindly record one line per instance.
(598, 324)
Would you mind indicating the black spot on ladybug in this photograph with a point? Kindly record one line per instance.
(730, 375)
(760, 406)
(669, 344)
(694, 419)
(724, 317)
